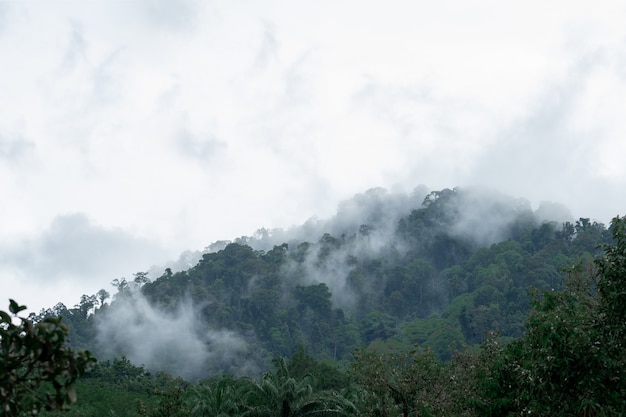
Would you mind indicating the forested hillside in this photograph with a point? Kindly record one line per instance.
(439, 269)
(466, 304)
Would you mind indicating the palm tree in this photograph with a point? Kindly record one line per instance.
(280, 395)
(215, 400)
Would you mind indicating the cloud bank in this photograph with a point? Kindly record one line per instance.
(71, 253)
(185, 122)
(175, 343)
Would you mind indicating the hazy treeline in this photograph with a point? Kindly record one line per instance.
(386, 270)
(389, 308)
(568, 362)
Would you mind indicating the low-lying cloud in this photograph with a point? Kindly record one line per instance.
(366, 226)
(73, 247)
(72, 252)
(177, 343)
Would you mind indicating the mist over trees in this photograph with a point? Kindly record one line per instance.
(433, 268)
(400, 294)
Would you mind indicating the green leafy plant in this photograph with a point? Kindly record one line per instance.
(37, 369)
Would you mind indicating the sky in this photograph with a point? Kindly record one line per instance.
(133, 130)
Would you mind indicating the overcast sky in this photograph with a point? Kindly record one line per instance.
(132, 130)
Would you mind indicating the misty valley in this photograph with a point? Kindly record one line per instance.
(458, 302)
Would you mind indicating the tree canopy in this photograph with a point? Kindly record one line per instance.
(37, 369)
(464, 306)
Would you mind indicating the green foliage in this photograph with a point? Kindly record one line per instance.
(441, 334)
(119, 388)
(404, 383)
(171, 404)
(280, 394)
(215, 398)
(432, 283)
(325, 375)
(612, 282)
(270, 294)
(571, 359)
(37, 369)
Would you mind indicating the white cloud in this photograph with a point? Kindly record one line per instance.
(72, 252)
(184, 122)
(176, 343)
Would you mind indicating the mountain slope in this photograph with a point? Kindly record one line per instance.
(387, 271)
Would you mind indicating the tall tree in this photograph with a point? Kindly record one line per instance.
(572, 359)
(399, 384)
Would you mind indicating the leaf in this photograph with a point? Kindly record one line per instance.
(15, 307)
(5, 317)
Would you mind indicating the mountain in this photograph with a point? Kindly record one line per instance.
(389, 270)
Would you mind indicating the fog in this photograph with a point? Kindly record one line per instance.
(365, 227)
(174, 124)
(177, 343)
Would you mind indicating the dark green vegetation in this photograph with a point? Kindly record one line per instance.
(37, 369)
(391, 310)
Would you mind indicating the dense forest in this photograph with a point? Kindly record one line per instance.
(445, 303)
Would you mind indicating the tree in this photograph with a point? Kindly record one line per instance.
(37, 369)
(572, 359)
(171, 404)
(400, 384)
(215, 399)
(279, 394)
(103, 295)
(612, 282)
(325, 375)
(141, 278)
